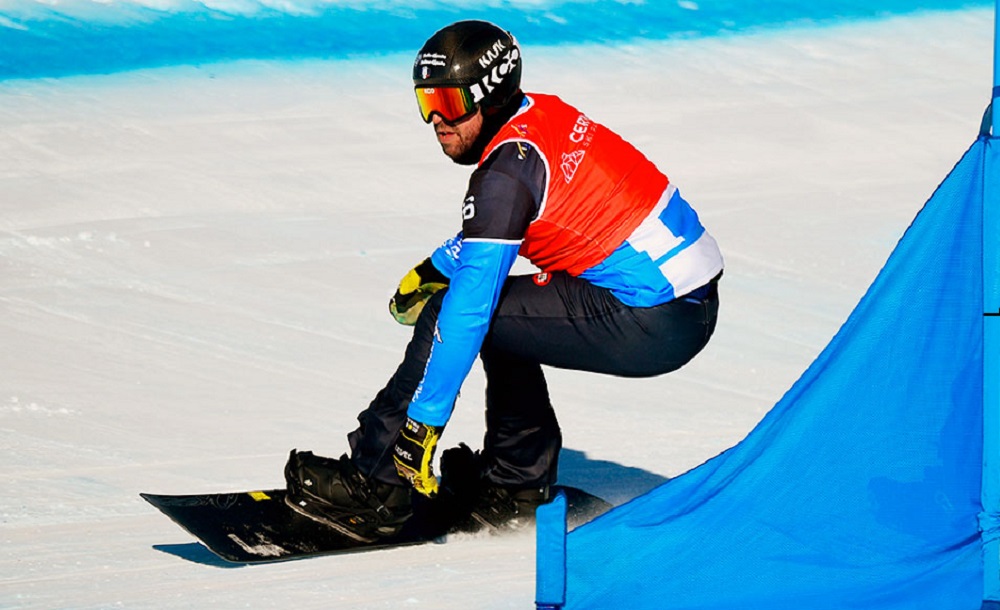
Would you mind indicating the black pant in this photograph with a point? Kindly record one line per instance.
(567, 323)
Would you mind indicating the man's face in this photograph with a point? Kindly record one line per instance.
(457, 139)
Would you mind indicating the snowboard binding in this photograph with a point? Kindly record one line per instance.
(335, 493)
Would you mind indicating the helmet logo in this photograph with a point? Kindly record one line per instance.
(495, 77)
(491, 54)
(431, 59)
(508, 62)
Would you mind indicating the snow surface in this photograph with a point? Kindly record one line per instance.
(195, 264)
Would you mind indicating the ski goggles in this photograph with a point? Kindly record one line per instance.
(452, 103)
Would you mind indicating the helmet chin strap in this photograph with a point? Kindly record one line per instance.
(493, 119)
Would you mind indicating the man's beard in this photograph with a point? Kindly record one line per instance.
(493, 120)
(472, 154)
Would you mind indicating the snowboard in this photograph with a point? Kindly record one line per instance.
(258, 526)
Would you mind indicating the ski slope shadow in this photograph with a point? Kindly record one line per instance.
(197, 552)
(613, 482)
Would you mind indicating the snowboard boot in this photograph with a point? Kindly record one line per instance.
(502, 509)
(335, 493)
(480, 504)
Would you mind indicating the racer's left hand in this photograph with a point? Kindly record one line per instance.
(414, 454)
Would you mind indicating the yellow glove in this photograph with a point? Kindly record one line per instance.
(416, 287)
(414, 454)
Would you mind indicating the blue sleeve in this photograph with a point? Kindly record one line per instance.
(445, 258)
(461, 326)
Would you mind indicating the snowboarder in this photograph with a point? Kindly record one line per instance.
(628, 287)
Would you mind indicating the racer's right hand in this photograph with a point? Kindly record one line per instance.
(416, 287)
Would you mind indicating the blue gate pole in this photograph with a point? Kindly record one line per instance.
(991, 340)
(550, 553)
(996, 67)
(991, 375)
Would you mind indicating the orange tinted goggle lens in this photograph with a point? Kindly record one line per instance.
(452, 103)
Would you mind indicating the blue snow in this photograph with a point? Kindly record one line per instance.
(84, 36)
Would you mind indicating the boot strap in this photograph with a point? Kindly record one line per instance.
(361, 490)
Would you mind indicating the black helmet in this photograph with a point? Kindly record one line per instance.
(478, 58)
